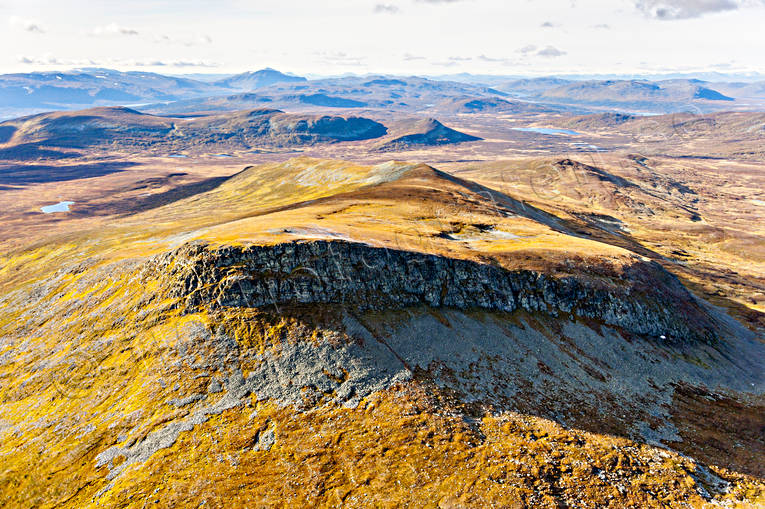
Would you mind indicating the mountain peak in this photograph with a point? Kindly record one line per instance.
(258, 79)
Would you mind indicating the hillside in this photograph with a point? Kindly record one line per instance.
(341, 329)
(725, 134)
(662, 96)
(491, 105)
(428, 132)
(532, 86)
(128, 130)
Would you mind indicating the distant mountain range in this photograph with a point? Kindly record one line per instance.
(36, 92)
(717, 77)
(408, 94)
(668, 96)
(24, 94)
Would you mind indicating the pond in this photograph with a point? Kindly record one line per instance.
(545, 130)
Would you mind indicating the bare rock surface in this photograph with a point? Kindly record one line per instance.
(644, 299)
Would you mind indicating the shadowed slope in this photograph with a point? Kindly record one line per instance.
(429, 132)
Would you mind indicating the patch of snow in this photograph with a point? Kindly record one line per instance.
(62, 206)
(312, 233)
(487, 235)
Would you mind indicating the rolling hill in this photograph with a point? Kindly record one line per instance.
(424, 133)
(664, 96)
(723, 134)
(129, 130)
(636, 94)
(468, 105)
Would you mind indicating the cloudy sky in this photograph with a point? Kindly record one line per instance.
(389, 36)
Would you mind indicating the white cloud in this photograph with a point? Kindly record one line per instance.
(184, 63)
(385, 9)
(188, 41)
(28, 25)
(340, 58)
(550, 52)
(113, 29)
(527, 49)
(163, 63)
(684, 9)
(495, 60)
(48, 59)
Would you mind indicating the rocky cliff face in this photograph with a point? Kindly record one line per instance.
(644, 299)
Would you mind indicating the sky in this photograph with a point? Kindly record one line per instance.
(504, 37)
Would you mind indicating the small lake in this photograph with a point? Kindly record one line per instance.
(182, 156)
(545, 130)
(62, 206)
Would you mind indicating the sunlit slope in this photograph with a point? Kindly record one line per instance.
(394, 204)
(255, 190)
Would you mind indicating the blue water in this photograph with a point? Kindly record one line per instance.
(177, 155)
(62, 206)
(545, 130)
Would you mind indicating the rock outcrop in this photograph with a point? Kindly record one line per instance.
(644, 299)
